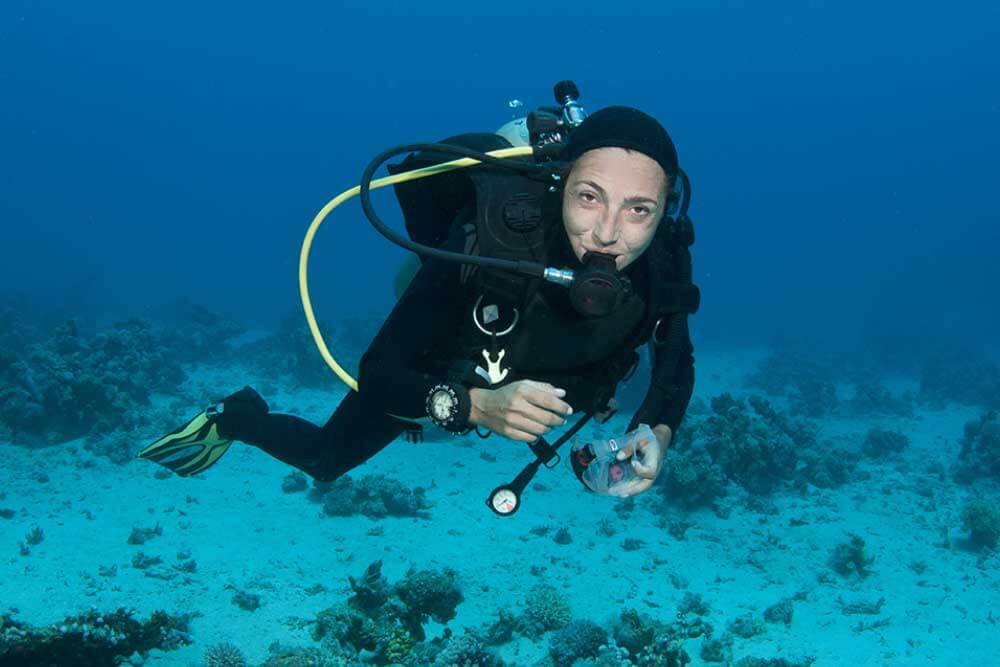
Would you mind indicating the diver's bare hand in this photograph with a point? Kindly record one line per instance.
(523, 411)
(647, 461)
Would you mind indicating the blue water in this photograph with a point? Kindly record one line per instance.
(843, 160)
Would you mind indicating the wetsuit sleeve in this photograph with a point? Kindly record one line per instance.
(394, 372)
(683, 385)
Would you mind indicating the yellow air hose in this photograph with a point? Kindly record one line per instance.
(340, 199)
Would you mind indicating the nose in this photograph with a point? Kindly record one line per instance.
(606, 231)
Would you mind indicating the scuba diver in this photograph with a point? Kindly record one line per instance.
(471, 347)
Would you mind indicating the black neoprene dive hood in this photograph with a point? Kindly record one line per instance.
(557, 135)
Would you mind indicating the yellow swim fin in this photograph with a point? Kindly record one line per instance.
(191, 449)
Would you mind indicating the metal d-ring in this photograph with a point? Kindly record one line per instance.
(506, 331)
(656, 330)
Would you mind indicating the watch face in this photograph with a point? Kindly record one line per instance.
(442, 405)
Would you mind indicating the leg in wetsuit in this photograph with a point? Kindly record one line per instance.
(354, 433)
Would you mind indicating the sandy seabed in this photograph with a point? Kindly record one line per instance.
(246, 533)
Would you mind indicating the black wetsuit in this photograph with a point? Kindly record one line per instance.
(415, 346)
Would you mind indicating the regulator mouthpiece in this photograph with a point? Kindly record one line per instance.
(598, 289)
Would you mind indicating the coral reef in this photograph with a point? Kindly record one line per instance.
(882, 444)
(780, 612)
(374, 496)
(225, 655)
(466, 650)
(716, 650)
(751, 443)
(428, 594)
(772, 662)
(871, 397)
(813, 398)
(746, 626)
(827, 467)
(850, 558)
(290, 355)
(980, 453)
(306, 657)
(545, 609)
(143, 535)
(962, 376)
(796, 370)
(758, 450)
(387, 620)
(693, 604)
(294, 482)
(193, 333)
(579, 640)
(982, 519)
(66, 386)
(91, 638)
(689, 477)
(16, 331)
(650, 642)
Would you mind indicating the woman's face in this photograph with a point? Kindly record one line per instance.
(613, 202)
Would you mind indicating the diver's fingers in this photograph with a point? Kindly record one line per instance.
(518, 435)
(544, 386)
(540, 415)
(647, 470)
(551, 403)
(526, 407)
(544, 395)
(630, 488)
(625, 452)
(649, 461)
(526, 424)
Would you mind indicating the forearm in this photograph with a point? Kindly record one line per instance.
(477, 397)
(683, 387)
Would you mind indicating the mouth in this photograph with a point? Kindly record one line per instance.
(619, 258)
(587, 251)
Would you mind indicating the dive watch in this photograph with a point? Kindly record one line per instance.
(448, 405)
